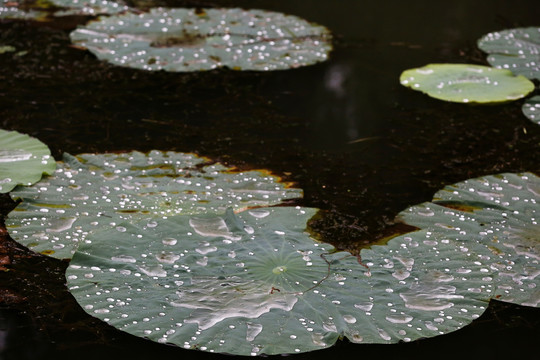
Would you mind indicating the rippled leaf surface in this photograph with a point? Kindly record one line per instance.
(495, 217)
(256, 283)
(517, 50)
(531, 109)
(204, 39)
(467, 83)
(91, 191)
(23, 160)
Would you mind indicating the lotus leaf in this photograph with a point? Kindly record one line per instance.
(515, 49)
(467, 83)
(495, 217)
(256, 283)
(21, 9)
(531, 109)
(95, 190)
(23, 160)
(89, 7)
(181, 39)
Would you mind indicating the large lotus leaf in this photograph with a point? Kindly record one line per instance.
(23, 160)
(517, 50)
(256, 283)
(496, 217)
(466, 83)
(531, 109)
(181, 39)
(90, 191)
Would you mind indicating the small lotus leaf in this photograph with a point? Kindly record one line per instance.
(23, 160)
(467, 83)
(95, 190)
(517, 50)
(181, 39)
(256, 283)
(531, 109)
(495, 217)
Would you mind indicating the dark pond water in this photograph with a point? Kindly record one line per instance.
(303, 124)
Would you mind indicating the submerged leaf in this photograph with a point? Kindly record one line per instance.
(23, 160)
(91, 191)
(467, 83)
(531, 109)
(204, 39)
(495, 217)
(517, 50)
(255, 283)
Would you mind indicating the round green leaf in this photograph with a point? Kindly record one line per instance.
(467, 83)
(91, 191)
(515, 49)
(531, 109)
(23, 160)
(495, 217)
(204, 39)
(256, 283)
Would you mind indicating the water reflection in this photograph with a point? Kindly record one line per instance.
(19, 338)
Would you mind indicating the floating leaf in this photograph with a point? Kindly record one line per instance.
(495, 217)
(515, 49)
(204, 39)
(467, 83)
(89, 7)
(23, 9)
(95, 190)
(255, 283)
(23, 160)
(531, 109)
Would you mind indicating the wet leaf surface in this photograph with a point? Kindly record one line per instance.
(92, 191)
(531, 109)
(256, 283)
(514, 49)
(187, 39)
(500, 225)
(467, 83)
(23, 160)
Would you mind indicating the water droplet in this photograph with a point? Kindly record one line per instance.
(124, 259)
(401, 274)
(399, 319)
(318, 339)
(349, 319)
(206, 250)
(166, 257)
(258, 213)
(365, 306)
(61, 224)
(154, 270)
(253, 330)
(429, 296)
(384, 335)
(169, 241)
